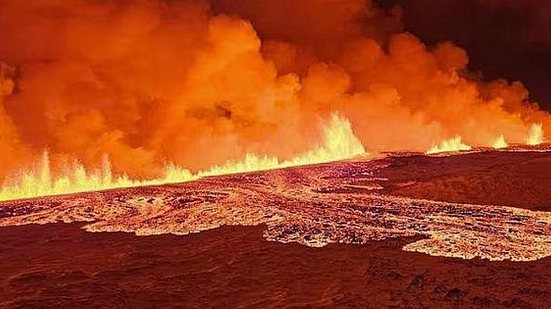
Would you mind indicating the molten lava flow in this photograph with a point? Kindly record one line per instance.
(451, 145)
(41, 182)
(201, 83)
(500, 143)
(536, 135)
(339, 143)
(320, 205)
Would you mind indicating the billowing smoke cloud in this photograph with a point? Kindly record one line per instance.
(505, 38)
(198, 83)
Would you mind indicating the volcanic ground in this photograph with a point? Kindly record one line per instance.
(403, 230)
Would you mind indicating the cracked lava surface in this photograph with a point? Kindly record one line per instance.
(350, 202)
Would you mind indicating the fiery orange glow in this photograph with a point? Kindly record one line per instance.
(339, 143)
(201, 83)
(451, 145)
(536, 135)
(500, 143)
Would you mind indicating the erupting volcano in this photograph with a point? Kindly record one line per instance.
(195, 84)
(337, 125)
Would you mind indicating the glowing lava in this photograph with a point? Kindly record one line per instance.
(536, 135)
(339, 143)
(341, 202)
(500, 143)
(454, 144)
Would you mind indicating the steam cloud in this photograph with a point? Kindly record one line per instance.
(504, 38)
(198, 83)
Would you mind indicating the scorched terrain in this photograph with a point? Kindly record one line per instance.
(442, 226)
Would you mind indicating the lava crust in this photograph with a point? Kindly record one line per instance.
(352, 202)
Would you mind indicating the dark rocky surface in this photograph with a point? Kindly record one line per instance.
(62, 266)
(367, 205)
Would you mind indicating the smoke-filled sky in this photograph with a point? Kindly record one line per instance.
(199, 82)
(504, 38)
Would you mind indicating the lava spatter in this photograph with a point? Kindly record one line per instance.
(341, 202)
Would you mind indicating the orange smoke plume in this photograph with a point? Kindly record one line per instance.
(200, 83)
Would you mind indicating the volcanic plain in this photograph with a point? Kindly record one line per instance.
(398, 230)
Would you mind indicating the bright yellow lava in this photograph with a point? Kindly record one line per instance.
(500, 143)
(339, 143)
(451, 145)
(536, 135)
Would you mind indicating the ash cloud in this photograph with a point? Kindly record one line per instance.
(201, 82)
(505, 39)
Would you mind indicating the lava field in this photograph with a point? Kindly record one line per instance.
(484, 204)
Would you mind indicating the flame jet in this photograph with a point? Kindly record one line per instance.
(195, 84)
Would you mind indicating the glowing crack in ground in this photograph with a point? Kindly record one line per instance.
(340, 202)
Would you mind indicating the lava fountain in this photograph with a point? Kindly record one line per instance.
(339, 143)
(132, 93)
